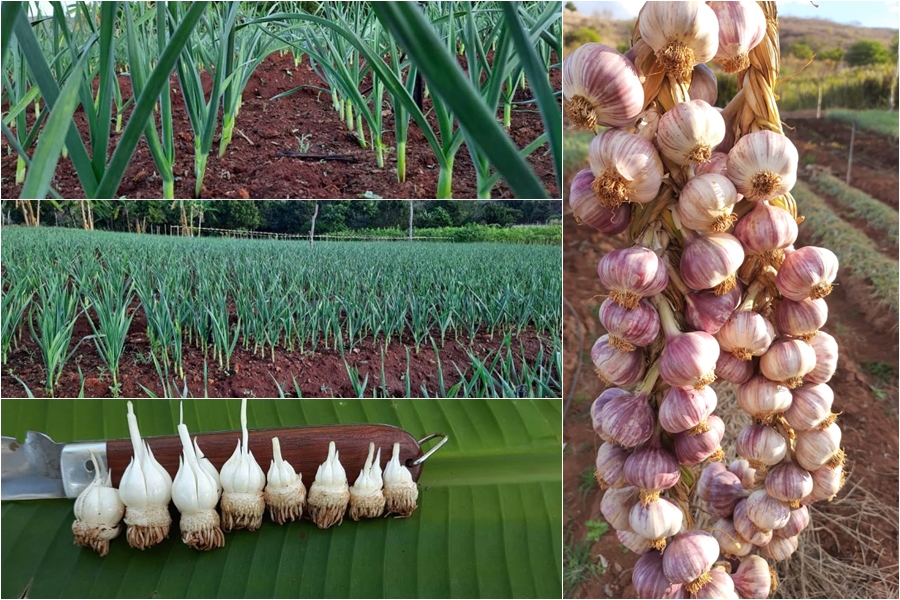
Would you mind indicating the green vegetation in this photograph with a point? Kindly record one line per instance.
(595, 529)
(580, 36)
(856, 253)
(579, 565)
(880, 370)
(575, 148)
(800, 50)
(283, 296)
(494, 490)
(884, 122)
(868, 52)
(536, 234)
(876, 213)
(72, 60)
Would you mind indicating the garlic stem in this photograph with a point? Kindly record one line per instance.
(650, 379)
(666, 316)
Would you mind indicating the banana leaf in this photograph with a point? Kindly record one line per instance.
(489, 522)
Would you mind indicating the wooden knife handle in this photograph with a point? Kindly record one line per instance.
(304, 447)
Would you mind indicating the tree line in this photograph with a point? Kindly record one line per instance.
(277, 216)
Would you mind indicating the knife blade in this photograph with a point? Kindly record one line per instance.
(41, 468)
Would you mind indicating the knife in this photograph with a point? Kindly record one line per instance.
(40, 468)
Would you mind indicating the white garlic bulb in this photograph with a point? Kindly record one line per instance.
(329, 493)
(688, 133)
(98, 510)
(146, 490)
(196, 494)
(682, 34)
(207, 466)
(285, 493)
(243, 481)
(626, 168)
(601, 87)
(763, 165)
(400, 491)
(366, 497)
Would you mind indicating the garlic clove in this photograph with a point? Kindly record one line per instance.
(98, 510)
(704, 85)
(207, 466)
(285, 494)
(400, 491)
(329, 494)
(601, 88)
(243, 482)
(366, 497)
(146, 490)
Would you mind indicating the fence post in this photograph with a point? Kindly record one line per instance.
(819, 102)
(850, 155)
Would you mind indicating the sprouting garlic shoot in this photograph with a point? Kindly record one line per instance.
(285, 493)
(243, 481)
(366, 497)
(196, 493)
(329, 493)
(146, 490)
(400, 491)
(98, 510)
(207, 466)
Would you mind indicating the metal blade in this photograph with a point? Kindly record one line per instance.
(31, 471)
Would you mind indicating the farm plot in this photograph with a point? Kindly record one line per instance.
(254, 100)
(104, 314)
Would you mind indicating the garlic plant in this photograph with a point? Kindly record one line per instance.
(98, 510)
(329, 493)
(400, 491)
(366, 496)
(243, 481)
(195, 494)
(711, 287)
(146, 490)
(285, 493)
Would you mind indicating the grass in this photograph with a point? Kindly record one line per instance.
(882, 371)
(856, 252)
(575, 150)
(586, 482)
(875, 213)
(884, 122)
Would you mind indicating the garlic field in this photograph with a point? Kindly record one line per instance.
(98, 314)
(282, 100)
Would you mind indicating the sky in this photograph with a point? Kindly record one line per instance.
(866, 14)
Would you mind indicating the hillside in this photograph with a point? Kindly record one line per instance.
(819, 34)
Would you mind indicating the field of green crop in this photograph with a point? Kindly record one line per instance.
(143, 299)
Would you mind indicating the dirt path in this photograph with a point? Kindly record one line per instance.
(252, 168)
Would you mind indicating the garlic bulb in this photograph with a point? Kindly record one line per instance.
(329, 493)
(693, 448)
(597, 409)
(747, 529)
(98, 510)
(789, 483)
(807, 273)
(766, 231)
(196, 494)
(766, 512)
(746, 334)
(816, 448)
(626, 168)
(711, 262)
(689, 559)
(629, 329)
(243, 481)
(826, 349)
(615, 506)
(763, 399)
(686, 409)
(801, 319)
(752, 578)
(682, 34)
(730, 541)
(656, 521)
(763, 165)
(725, 491)
(400, 491)
(628, 419)
(614, 366)
(588, 211)
(285, 494)
(745, 473)
(688, 133)
(762, 446)
(706, 476)
(634, 542)
(652, 469)
(734, 370)
(601, 88)
(708, 311)
(706, 202)
(780, 548)
(810, 407)
(649, 579)
(146, 490)
(687, 359)
(797, 523)
(631, 274)
(787, 360)
(742, 26)
(611, 466)
(366, 497)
